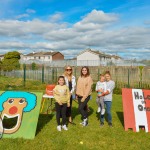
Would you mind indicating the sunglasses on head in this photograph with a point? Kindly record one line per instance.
(68, 69)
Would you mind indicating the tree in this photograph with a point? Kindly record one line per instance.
(11, 61)
(0, 66)
(34, 66)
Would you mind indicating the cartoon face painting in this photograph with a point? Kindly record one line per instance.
(12, 106)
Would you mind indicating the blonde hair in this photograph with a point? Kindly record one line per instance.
(66, 74)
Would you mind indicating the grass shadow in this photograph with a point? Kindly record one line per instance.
(121, 118)
(90, 112)
(97, 115)
(42, 121)
(75, 112)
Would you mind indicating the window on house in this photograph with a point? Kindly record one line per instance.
(39, 57)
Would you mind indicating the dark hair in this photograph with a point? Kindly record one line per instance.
(88, 72)
(107, 72)
(61, 77)
(102, 75)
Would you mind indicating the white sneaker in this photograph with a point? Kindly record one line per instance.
(65, 127)
(85, 122)
(103, 112)
(82, 122)
(59, 128)
(99, 109)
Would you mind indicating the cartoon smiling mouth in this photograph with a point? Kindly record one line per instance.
(10, 122)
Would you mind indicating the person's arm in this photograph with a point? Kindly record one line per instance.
(68, 97)
(88, 89)
(56, 95)
(96, 88)
(73, 85)
(110, 88)
(77, 86)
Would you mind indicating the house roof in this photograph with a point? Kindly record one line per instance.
(42, 53)
(1, 55)
(96, 52)
(116, 57)
(51, 53)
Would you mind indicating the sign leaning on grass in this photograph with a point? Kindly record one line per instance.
(19, 114)
(136, 107)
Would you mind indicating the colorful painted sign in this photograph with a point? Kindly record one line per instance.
(136, 107)
(19, 114)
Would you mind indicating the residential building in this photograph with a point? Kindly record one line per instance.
(1, 57)
(43, 56)
(90, 57)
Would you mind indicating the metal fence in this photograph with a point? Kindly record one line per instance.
(61, 63)
(123, 76)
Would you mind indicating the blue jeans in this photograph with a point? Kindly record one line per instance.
(108, 111)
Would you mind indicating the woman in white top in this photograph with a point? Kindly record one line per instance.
(71, 83)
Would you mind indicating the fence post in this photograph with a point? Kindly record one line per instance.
(24, 74)
(75, 73)
(98, 74)
(128, 78)
(42, 73)
(56, 75)
(52, 75)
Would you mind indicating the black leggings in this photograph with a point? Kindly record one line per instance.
(61, 110)
(83, 107)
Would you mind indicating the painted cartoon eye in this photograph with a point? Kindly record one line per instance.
(11, 101)
(21, 101)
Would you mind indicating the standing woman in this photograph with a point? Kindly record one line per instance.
(71, 83)
(83, 92)
(110, 85)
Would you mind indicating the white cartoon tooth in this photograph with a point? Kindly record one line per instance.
(1, 128)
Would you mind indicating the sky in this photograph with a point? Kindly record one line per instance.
(117, 27)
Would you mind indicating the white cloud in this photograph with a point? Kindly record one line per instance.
(94, 30)
(30, 11)
(99, 17)
(22, 16)
(26, 15)
(56, 17)
(94, 20)
(13, 45)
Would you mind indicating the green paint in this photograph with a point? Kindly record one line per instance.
(28, 127)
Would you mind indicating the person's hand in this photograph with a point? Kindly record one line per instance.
(83, 99)
(68, 104)
(76, 96)
(99, 95)
(100, 90)
(60, 103)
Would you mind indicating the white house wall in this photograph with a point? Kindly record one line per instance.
(88, 59)
(48, 58)
(1, 58)
(88, 56)
(41, 58)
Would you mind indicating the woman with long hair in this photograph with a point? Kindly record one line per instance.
(71, 83)
(83, 92)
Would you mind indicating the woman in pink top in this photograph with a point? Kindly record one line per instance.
(83, 92)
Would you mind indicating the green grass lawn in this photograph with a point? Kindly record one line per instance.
(93, 136)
